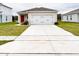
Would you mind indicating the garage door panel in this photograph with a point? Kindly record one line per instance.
(42, 20)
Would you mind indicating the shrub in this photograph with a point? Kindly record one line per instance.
(56, 23)
(25, 23)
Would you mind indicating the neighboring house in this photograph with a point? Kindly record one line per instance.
(5, 13)
(38, 16)
(71, 16)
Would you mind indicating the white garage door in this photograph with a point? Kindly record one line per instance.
(41, 20)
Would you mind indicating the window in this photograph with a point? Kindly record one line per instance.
(70, 17)
(67, 17)
(1, 18)
(6, 18)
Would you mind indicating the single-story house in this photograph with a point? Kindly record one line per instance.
(38, 16)
(5, 13)
(71, 16)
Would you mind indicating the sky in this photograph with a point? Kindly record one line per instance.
(61, 7)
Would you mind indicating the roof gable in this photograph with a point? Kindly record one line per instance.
(41, 9)
(38, 9)
(5, 6)
(72, 11)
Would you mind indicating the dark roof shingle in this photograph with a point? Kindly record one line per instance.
(39, 9)
(72, 12)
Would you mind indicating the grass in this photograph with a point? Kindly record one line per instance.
(11, 29)
(5, 41)
(9, 23)
(70, 26)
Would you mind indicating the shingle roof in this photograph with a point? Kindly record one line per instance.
(72, 12)
(39, 9)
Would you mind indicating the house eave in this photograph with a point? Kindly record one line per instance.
(41, 11)
(26, 12)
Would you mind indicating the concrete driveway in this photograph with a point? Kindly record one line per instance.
(37, 39)
(45, 30)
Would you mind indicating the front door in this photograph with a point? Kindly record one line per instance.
(22, 18)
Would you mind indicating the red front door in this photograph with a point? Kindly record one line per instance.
(22, 18)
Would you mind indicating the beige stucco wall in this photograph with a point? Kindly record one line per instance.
(19, 18)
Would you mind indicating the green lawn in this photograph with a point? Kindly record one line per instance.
(11, 29)
(70, 26)
(5, 41)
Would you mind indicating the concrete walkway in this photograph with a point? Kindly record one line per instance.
(8, 37)
(37, 39)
